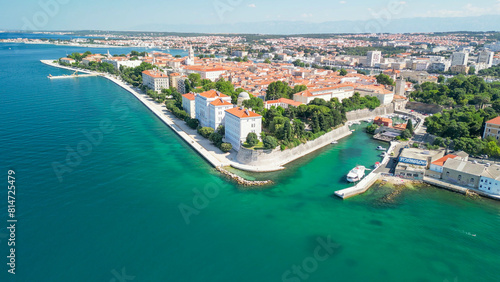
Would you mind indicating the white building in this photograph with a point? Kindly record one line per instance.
(373, 58)
(188, 104)
(205, 72)
(202, 109)
(281, 102)
(489, 181)
(117, 62)
(485, 57)
(340, 92)
(239, 122)
(155, 80)
(217, 111)
(459, 59)
(190, 59)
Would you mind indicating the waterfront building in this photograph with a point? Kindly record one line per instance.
(492, 128)
(202, 109)
(188, 104)
(373, 58)
(413, 162)
(462, 173)
(155, 80)
(459, 59)
(281, 102)
(383, 121)
(67, 60)
(117, 62)
(239, 53)
(489, 181)
(217, 109)
(238, 123)
(437, 165)
(340, 91)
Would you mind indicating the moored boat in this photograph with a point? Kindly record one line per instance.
(356, 174)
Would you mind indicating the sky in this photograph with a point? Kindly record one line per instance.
(137, 15)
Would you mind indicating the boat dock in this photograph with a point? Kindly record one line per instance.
(75, 75)
(367, 181)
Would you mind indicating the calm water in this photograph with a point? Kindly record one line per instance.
(118, 210)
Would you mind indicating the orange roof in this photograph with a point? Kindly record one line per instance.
(153, 73)
(220, 102)
(494, 121)
(388, 120)
(441, 161)
(212, 94)
(285, 101)
(189, 96)
(242, 112)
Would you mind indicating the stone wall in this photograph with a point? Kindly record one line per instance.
(278, 157)
(367, 113)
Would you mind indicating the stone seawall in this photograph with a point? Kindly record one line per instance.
(280, 158)
(367, 113)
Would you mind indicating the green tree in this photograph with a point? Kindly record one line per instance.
(370, 129)
(406, 134)
(409, 126)
(278, 89)
(193, 123)
(384, 79)
(252, 139)
(270, 142)
(342, 72)
(195, 79)
(205, 131)
(226, 147)
(215, 138)
(441, 78)
(267, 61)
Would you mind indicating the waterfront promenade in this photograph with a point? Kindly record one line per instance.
(201, 145)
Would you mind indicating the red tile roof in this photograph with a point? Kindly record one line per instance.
(220, 102)
(494, 121)
(212, 94)
(285, 101)
(155, 74)
(441, 161)
(242, 112)
(189, 96)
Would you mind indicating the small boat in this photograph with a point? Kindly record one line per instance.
(383, 155)
(380, 148)
(376, 165)
(356, 174)
(334, 142)
(353, 130)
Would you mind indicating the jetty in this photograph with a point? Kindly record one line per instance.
(368, 180)
(74, 75)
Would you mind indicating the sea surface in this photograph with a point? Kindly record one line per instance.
(138, 204)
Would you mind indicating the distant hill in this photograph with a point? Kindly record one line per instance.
(480, 23)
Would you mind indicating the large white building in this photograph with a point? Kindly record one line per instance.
(239, 123)
(155, 80)
(206, 72)
(188, 104)
(459, 59)
(202, 107)
(486, 57)
(217, 110)
(489, 181)
(340, 92)
(117, 62)
(373, 58)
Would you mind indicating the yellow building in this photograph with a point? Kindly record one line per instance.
(492, 128)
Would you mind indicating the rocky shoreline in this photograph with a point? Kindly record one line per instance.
(242, 181)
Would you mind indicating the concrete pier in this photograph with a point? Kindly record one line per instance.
(456, 188)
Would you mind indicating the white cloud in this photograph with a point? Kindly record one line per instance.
(342, 2)
(252, 6)
(307, 15)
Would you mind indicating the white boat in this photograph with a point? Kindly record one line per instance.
(383, 155)
(356, 174)
(376, 165)
(335, 142)
(380, 148)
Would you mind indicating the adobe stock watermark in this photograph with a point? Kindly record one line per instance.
(201, 200)
(382, 18)
(223, 6)
(121, 276)
(324, 250)
(92, 139)
(48, 9)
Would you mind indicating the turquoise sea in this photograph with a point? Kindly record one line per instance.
(141, 205)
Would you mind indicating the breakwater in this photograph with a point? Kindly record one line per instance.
(242, 181)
